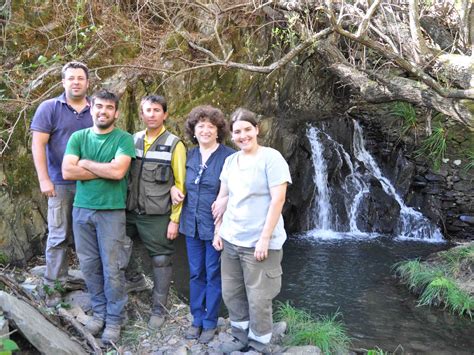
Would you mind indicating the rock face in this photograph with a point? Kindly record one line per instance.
(287, 100)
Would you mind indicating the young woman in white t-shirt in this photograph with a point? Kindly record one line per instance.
(251, 233)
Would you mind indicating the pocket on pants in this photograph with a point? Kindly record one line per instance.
(125, 253)
(271, 283)
(55, 218)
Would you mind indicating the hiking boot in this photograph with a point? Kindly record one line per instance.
(260, 347)
(136, 283)
(230, 346)
(94, 325)
(192, 332)
(156, 321)
(53, 299)
(162, 272)
(111, 334)
(207, 335)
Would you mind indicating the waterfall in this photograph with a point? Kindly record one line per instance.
(322, 210)
(361, 168)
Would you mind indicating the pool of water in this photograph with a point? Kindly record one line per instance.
(354, 277)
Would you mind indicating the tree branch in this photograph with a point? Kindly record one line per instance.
(420, 49)
(364, 25)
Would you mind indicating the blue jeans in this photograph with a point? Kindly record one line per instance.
(103, 250)
(59, 233)
(205, 282)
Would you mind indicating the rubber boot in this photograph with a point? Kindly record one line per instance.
(162, 271)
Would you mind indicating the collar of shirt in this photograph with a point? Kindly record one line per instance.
(148, 142)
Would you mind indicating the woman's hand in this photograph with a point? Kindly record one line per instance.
(218, 208)
(261, 249)
(177, 195)
(217, 243)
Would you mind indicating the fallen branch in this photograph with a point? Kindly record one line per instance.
(64, 314)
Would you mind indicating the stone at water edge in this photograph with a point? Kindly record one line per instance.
(303, 350)
(279, 330)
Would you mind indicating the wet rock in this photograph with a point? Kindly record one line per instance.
(463, 186)
(467, 219)
(434, 177)
(303, 350)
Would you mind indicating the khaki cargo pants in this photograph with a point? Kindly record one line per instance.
(248, 288)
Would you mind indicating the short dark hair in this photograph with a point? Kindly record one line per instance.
(155, 99)
(242, 114)
(105, 95)
(74, 65)
(206, 113)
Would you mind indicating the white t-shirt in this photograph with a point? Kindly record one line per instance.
(249, 197)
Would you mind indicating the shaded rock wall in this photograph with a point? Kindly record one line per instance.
(444, 195)
(286, 101)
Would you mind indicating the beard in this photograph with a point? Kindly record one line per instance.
(105, 124)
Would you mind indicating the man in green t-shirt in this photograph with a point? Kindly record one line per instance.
(99, 158)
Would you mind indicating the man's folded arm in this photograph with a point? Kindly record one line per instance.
(72, 171)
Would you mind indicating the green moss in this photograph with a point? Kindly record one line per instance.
(20, 174)
(4, 259)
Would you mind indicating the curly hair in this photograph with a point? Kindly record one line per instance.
(206, 113)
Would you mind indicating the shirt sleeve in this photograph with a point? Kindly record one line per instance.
(73, 146)
(277, 169)
(225, 170)
(41, 121)
(178, 165)
(126, 146)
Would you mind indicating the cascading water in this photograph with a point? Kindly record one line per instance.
(322, 210)
(355, 186)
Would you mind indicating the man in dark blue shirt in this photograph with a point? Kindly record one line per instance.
(52, 125)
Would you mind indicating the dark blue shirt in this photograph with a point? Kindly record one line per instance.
(202, 186)
(59, 120)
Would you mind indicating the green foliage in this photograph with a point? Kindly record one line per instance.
(327, 332)
(416, 274)
(434, 146)
(64, 305)
(470, 161)
(435, 285)
(286, 36)
(19, 171)
(3, 259)
(7, 346)
(59, 287)
(376, 351)
(444, 290)
(407, 113)
(48, 290)
(456, 257)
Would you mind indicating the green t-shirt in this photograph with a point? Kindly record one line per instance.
(101, 194)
